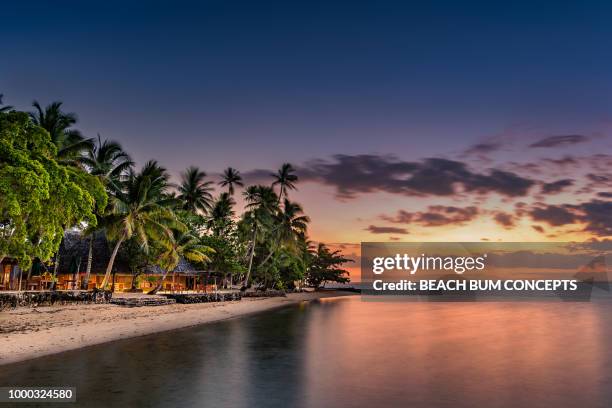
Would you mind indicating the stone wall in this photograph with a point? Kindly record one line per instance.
(203, 297)
(48, 298)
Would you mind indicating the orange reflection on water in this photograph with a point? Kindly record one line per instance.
(460, 354)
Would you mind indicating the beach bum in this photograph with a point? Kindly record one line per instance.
(477, 284)
(457, 264)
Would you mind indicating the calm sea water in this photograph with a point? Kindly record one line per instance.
(347, 353)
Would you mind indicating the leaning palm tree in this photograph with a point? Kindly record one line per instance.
(108, 161)
(4, 108)
(290, 225)
(262, 204)
(141, 208)
(194, 191)
(285, 178)
(231, 178)
(69, 142)
(179, 244)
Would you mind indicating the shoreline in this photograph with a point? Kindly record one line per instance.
(29, 333)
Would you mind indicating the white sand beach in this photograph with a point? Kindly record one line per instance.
(27, 333)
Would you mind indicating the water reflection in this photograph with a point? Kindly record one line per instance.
(348, 353)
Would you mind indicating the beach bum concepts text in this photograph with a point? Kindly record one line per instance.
(459, 265)
(481, 271)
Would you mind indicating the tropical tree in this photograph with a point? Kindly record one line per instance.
(179, 244)
(40, 196)
(221, 213)
(194, 191)
(285, 178)
(69, 141)
(231, 178)
(140, 208)
(262, 205)
(290, 225)
(325, 267)
(4, 108)
(110, 163)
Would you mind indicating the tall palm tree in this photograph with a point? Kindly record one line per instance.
(108, 161)
(4, 108)
(142, 209)
(221, 213)
(262, 204)
(290, 226)
(180, 244)
(231, 178)
(285, 178)
(69, 142)
(194, 191)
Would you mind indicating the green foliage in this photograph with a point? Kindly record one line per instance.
(226, 256)
(194, 191)
(69, 142)
(52, 178)
(40, 196)
(142, 208)
(325, 267)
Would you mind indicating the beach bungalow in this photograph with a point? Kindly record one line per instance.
(70, 267)
(126, 275)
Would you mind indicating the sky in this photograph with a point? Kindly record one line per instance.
(407, 121)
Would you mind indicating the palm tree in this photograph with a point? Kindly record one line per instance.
(69, 142)
(108, 161)
(289, 230)
(141, 208)
(194, 191)
(180, 244)
(285, 178)
(4, 108)
(221, 213)
(231, 178)
(262, 204)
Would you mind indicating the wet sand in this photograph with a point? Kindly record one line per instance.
(27, 333)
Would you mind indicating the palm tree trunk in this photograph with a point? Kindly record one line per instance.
(248, 275)
(55, 267)
(111, 262)
(267, 258)
(159, 284)
(85, 282)
(2, 258)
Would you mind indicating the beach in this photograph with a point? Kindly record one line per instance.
(27, 333)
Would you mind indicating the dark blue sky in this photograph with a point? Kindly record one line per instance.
(255, 83)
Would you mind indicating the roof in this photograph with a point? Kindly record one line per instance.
(75, 248)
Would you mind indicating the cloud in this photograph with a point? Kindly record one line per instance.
(605, 194)
(538, 228)
(483, 148)
(504, 219)
(600, 180)
(562, 140)
(554, 215)
(556, 186)
(353, 175)
(596, 215)
(435, 216)
(386, 230)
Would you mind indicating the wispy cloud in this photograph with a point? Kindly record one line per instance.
(374, 229)
(561, 140)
